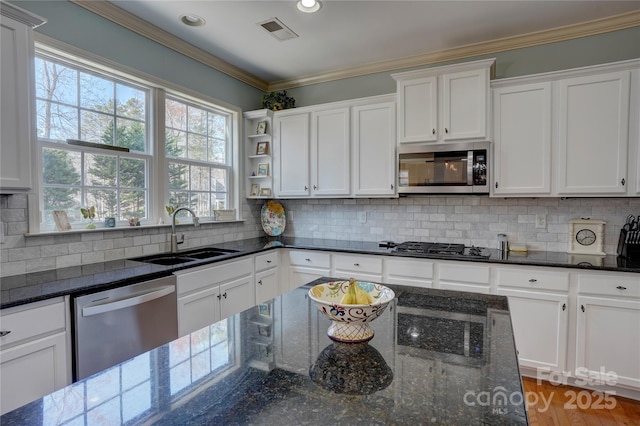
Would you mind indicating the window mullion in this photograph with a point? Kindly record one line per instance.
(160, 175)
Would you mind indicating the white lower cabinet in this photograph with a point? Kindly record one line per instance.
(462, 276)
(208, 294)
(267, 281)
(608, 328)
(411, 272)
(539, 307)
(306, 266)
(34, 355)
(359, 267)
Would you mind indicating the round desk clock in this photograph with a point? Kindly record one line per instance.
(586, 236)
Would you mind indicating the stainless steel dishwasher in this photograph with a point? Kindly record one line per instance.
(115, 325)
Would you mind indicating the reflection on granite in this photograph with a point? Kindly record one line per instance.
(253, 368)
(351, 369)
(26, 288)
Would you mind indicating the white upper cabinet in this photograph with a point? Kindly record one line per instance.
(593, 134)
(568, 133)
(374, 154)
(343, 149)
(522, 139)
(291, 159)
(330, 152)
(17, 88)
(444, 103)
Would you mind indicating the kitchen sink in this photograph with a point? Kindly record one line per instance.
(168, 259)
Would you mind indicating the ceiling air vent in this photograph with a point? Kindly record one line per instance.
(276, 28)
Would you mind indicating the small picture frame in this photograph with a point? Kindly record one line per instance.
(262, 148)
(62, 220)
(262, 128)
(263, 169)
(264, 309)
(265, 192)
(255, 190)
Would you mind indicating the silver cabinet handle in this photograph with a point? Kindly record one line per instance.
(356, 264)
(224, 294)
(533, 280)
(564, 306)
(305, 187)
(4, 332)
(315, 187)
(622, 181)
(260, 282)
(268, 261)
(128, 301)
(621, 287)
(433, 131)
(308, 260)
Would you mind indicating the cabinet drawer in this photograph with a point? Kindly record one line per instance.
(409, 268)
(533, 279)
(368, 264)
(32, 320)
(266, 261)
(464, 273)
(204, 276)
(314, 259)
(626, 285)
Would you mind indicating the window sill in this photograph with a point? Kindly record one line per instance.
(123, 228)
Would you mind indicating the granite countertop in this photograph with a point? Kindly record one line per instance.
(274, 364)
(20, 289)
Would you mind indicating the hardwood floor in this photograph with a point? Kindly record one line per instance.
(565, 405)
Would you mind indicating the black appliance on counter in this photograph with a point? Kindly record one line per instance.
(442, 250)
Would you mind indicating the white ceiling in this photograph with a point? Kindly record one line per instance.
(347, 34)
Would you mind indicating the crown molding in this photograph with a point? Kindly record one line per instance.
(121, 17)
(584, 29)
(131, 22)
(18, 14)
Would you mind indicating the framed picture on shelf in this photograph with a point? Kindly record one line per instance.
(265, 192)
(264, 310)
(62, 220)
(263, 169)
(262, 128)
(255, 190)
(262, 148)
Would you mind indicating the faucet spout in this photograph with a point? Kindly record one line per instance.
(174, 237)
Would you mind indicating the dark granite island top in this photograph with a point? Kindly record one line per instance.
(437, 357)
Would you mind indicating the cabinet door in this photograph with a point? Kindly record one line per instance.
(608, 336)
(16, 76)
(593, 120)
(417, 110)
(540, 323)
(291, 160)
(266, 285)
(300, 276)
(464, 101)
(32, 370)
(330, 153)
(522, 139)
(236, 296)
(198, 310)
(374, 142)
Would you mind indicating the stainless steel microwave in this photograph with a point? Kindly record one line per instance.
(444, 168)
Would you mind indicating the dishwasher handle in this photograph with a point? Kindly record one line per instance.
(127, 302)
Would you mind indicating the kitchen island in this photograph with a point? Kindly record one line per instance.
(441, 357)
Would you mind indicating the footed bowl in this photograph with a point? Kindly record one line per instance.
(350, 323)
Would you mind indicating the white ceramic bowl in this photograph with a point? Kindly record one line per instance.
(350, 322)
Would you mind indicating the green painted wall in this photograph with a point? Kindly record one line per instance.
(78, 27)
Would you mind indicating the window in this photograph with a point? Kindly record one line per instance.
(197, 151)
(97, 147)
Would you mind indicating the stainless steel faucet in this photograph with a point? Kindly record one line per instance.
(174, 237)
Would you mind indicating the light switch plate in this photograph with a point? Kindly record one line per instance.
(541, 220)
(1, 232)
(362, 217)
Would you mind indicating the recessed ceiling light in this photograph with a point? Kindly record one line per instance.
(309, 6)
(192, 20)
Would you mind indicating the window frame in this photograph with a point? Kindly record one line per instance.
(158, 193)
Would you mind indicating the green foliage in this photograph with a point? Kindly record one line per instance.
(278, 100)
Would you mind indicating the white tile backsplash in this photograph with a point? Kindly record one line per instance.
(461, 219)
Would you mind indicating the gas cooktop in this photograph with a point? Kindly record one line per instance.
(445, 250)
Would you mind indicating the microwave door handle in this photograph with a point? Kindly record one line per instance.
(127, 302)
(470, 168)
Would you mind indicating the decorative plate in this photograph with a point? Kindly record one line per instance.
(273, 218)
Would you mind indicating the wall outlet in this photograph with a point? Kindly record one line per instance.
(1, 232)
(362, 217)
(541, 220)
